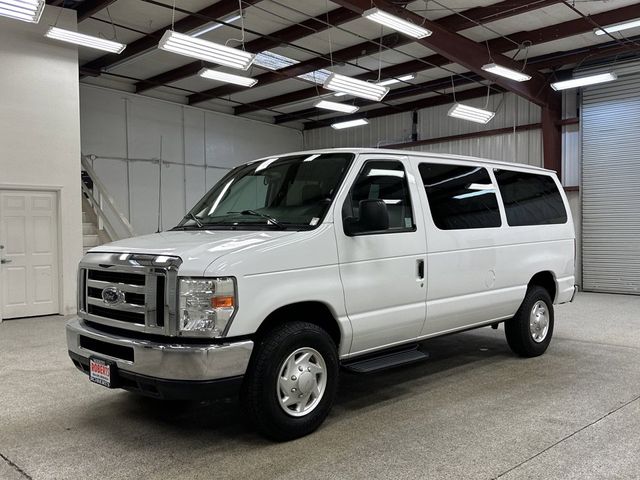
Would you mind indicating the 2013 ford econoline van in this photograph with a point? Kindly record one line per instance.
(295, 266)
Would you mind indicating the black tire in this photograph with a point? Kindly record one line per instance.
(260, 395)
(518, 330)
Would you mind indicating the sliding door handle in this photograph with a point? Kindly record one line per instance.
(420, 269)
(5, 260)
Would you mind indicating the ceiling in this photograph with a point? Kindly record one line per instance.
(549, 35)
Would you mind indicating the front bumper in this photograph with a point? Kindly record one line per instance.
(171, 362)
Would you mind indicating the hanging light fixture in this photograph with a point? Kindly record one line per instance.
(473, 114)
(506, 72)
(23, 10)
(584, 81)
(336, 106)
(350, 123)
(357, 88)
(396, 23)
(68, 36)
(614, 28)
(205, 50)
(227, 77)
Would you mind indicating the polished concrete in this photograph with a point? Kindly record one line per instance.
(472, 411)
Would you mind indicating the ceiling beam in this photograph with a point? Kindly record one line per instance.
(289, 34)
(500, 45)
(465, 52)
(149, 41)
(455, 22)
(553, 60)
(392, 40)
(417, 105)
(90, 7)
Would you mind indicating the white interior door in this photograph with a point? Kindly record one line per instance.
(29, 268)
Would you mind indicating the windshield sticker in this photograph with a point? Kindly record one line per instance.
(314, 221)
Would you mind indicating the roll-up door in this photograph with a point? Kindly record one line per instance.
(611, 186)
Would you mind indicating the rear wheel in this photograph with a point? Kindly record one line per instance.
(529, 331)
(291, 382)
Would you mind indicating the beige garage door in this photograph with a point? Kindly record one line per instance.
(29, 253)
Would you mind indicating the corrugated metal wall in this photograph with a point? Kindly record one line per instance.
(523, 147)
(611, 186)
(124, 132)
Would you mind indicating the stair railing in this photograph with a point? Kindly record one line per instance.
(114, 223)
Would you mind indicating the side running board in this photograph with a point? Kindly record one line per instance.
(386, 360)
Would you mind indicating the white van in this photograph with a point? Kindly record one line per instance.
(295, 266)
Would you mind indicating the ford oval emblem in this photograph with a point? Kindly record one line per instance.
(112, 296)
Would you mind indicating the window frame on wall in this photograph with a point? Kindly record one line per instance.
(488, 179)
(407, 189)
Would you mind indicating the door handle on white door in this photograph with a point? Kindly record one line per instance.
(5, 260)
(420, 264)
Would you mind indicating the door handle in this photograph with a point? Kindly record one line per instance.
(420, 264)
(5, 260)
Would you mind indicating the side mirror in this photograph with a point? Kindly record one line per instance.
(374, 217)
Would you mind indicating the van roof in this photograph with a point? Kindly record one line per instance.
(442, 156)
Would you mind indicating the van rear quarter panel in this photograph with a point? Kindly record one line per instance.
(478, 275)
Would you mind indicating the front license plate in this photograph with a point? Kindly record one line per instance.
(101, 372)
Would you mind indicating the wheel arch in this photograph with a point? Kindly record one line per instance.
(312, 311)
(547, 280)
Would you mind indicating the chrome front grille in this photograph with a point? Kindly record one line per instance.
(130, 291)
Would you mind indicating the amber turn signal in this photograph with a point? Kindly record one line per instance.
(222, 301)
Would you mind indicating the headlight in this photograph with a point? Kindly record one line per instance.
(206, 305)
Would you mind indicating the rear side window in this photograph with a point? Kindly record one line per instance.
(460, 197)
(530, 199)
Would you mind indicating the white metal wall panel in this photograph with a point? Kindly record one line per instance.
(511, 110)
(610, 187)
(126, 132)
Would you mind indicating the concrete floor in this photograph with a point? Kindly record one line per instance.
(472, 411)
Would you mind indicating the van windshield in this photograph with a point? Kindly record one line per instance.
(279, 192)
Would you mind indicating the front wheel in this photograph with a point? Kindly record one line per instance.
(529, 331)
(292, 380)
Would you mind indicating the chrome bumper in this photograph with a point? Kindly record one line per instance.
(170, 361)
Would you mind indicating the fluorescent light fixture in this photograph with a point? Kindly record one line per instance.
(227, 77)
(204, 50)
(396, 23)
(213, 26)
(473, 114)
(23, 10)
(506, 72)
(340, 94)
(350, 123)
(84, 40)
(357, 88)
(610, 29)
(335, 106)
(583, 81)
(391, 81)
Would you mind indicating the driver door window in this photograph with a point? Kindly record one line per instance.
(384, 180)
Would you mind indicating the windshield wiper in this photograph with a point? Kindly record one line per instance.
(263, 215)
(194, 218)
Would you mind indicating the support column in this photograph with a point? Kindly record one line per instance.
(552, 134)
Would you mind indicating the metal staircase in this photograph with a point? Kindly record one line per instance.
(102, 222)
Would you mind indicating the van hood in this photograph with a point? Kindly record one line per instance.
(197, 248)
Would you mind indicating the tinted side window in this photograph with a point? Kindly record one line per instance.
(530, 199)
(460, 196)
(383, 180)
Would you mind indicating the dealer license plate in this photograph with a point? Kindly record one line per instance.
(101, 372)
